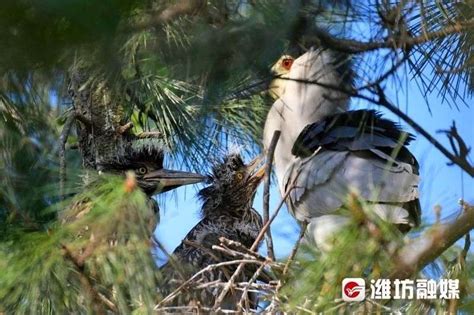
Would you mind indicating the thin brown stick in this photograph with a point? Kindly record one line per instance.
(62, 151)
(383, 101)
(260, 236)
(292, 256)
(290, 259)
(125, 128)
(191, 309)
(244, 297)
(240, 247)
(175, 293)
(150, 134)
(232, 253)
(266, 191)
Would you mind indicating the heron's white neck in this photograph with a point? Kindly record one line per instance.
(303, 103)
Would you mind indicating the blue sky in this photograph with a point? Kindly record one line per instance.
(440, 184)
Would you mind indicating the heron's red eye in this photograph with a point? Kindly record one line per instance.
(286, 63)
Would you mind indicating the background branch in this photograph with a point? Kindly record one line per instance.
(355, 47)
(426, 248)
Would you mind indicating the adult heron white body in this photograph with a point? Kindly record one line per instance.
(326, 152)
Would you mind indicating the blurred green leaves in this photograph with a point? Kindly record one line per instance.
(99, 252)
(39, 34)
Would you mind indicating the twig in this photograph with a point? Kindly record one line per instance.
(266, 191)
(150, 134)
(173, 294)
(254, 246)
(391, 42)
(62, 151)
(123, 129)
(232, 253)
(244, 297)
(458, 145)
(288, 263)
(385, 75)
(191, 309)
(383, 101)
(454, 303)
(424, 249)
(239, 246)
(304, 225)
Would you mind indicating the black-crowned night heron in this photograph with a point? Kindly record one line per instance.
(144, 159)
(280, 70)
(226, 212)
(326, 152)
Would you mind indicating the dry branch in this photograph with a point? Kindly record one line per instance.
(292, 256)
(62, 151)
(266, 191)
(426, 248)
(241, 248)
(382, 100)
(125, 128)
(260, 236)
(175, 293)
(458, 160)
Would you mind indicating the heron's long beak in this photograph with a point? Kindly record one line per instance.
(257, 168)
(170, 179)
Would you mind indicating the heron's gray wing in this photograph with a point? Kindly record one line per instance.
(369, 159)
(352, 130)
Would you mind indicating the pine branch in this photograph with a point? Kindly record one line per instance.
(394, 42)
(460, 160)
(179, 9)
(98, 299)
(426, 248)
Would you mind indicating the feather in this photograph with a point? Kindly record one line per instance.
(372, 179)
(360, 129)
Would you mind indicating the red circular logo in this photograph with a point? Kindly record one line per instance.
(351, 289)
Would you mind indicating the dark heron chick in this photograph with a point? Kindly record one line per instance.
(146, 161)
(147, 164)
(226, 212)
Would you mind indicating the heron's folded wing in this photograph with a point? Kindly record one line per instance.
(352, 152)
(352, 130)
(322, 187)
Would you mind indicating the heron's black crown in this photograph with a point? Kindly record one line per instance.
(145, 158)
